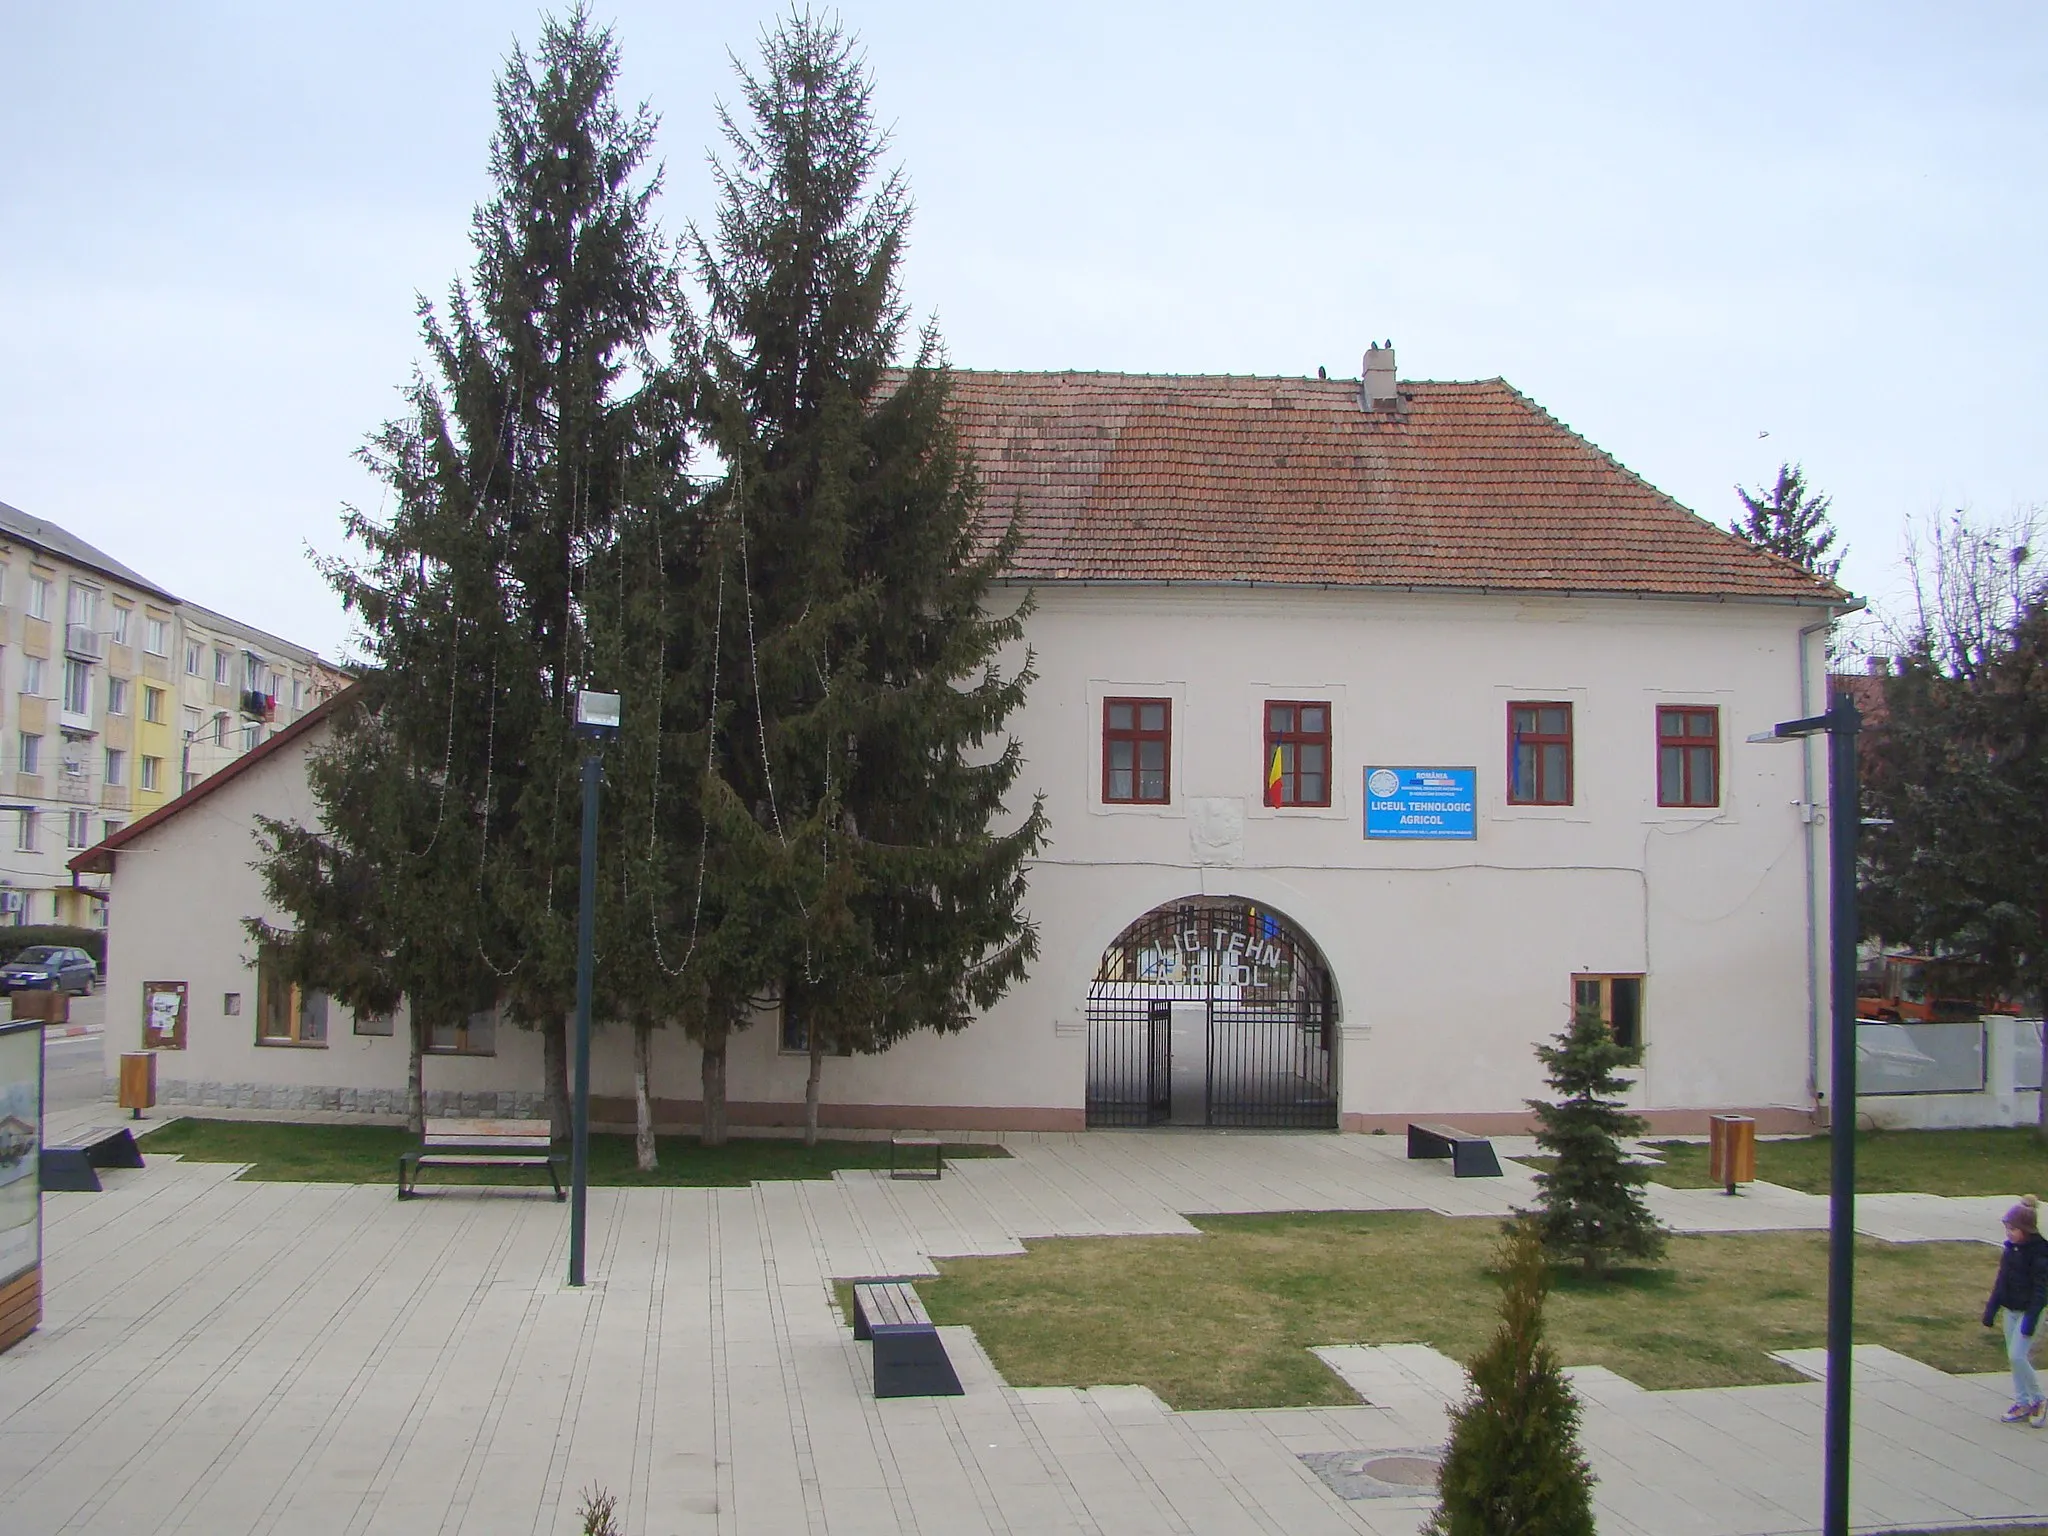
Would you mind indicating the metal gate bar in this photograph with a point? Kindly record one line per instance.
(1129, 1061)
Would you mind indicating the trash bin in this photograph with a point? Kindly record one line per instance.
(138, 1082)
(1731, 1150)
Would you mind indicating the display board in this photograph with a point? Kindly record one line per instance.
(1421, 802)
(21, 1196)
(163, 1015)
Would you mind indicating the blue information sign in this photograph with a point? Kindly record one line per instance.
(1421, 802)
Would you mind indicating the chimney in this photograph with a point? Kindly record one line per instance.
(1376, 389)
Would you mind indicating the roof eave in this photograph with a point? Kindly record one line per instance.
(1840, 602)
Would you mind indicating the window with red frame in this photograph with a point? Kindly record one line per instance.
(1137, 738)
(1298, 732)
(1688, 756)
(1540, 754)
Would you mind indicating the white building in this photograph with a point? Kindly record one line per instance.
(1505, 685)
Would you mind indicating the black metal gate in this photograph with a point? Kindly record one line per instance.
(1249, 999)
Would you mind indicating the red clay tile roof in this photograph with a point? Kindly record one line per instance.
(1135, 478)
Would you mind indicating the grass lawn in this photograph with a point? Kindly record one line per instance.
(1226, 1319)
(1986, 1162)
(368, 1154)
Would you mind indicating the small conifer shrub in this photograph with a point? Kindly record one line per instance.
(1513, 1464)
(1590, 1207)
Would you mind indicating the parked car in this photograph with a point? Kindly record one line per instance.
(49, 967)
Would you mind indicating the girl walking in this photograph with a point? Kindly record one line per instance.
(2020, 1294)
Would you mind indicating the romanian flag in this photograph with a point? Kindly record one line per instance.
(1273, 778)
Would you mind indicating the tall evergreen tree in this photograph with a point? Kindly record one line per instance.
(1590, 1203)
(1792, 520)
(1955, 770)
(548, 410)
(861, 773)
(1513, 1463)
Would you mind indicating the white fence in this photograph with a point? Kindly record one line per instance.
(1979, 1072)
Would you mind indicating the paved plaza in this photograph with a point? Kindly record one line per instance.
(227, 1357)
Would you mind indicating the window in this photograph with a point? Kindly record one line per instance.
(25, 832)
(1298, 734)
(192, 721)
(298, 693)
(32, 675)
(77, 687)
(220, 667)
(77, 829)
(192, 654)
(231, 1003)
(1136, 737)
(476, 1035)
(1617, 1001)
(251, 734)
(152, 704)
(373, 1024)
(38, 598)
(117, 695)
(152, 773)
(107, 829)
(286, 1013)
(252, 673)
(1539, 754)
(121, 618)
(117, 767)
(157, 637)
(1688, 756)
(220, 729)
(31, 753)
(85, 603)
(796, 1034)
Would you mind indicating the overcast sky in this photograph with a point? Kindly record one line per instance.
(1677, 228)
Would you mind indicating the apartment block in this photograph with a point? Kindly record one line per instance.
(102, 717)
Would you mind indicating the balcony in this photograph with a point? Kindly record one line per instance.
(258, 706)
(76, 723)
(84, 642)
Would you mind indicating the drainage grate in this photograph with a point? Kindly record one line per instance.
(1376, 1474)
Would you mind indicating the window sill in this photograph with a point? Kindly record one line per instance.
(450, 1051)
(292, 1045)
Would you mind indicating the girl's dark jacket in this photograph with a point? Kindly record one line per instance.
(2022, 1282)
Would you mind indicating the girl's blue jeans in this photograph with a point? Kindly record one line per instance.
(2026, 1385)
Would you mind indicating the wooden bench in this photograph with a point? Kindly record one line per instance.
(1471, 1156)
(75, 1165)
(910, 1361)
(480, 1144)
(919, 1146)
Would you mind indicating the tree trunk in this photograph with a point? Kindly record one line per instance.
(415, 1059)
(712, 1132)
(643, 1097)
(554, 1056)
(811, 1085)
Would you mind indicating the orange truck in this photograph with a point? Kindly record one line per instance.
(1902, 989)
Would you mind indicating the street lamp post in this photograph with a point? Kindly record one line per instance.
(597, 720)
(1840, 725)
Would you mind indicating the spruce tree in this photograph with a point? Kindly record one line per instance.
(548, 412)
(1790, 520)
(1513, 1463)
(860, 772)
(1590, 1206)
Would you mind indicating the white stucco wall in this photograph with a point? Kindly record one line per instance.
(1451, 959)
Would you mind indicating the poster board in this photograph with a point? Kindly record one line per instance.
(21, 1185)
(163, 1015)
(1421, 802)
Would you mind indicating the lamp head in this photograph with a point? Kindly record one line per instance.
(597, 714)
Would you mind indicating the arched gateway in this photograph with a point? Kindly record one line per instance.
(1212, 1010)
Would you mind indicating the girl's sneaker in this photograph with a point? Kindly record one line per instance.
(2039, 1417)
(2019, 1413)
